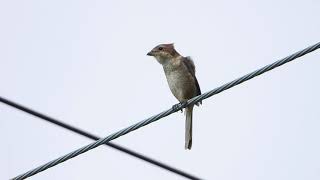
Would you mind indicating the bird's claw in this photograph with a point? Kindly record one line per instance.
(182, 104)
(176, 106)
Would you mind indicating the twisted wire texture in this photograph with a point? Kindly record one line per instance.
(169, 111)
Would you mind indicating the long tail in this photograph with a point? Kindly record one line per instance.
(188, 135)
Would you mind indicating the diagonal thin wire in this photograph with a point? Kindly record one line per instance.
(168, 112)
(94, 137)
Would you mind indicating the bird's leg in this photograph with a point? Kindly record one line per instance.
(176, 106)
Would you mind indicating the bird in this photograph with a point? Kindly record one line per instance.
(182, 81)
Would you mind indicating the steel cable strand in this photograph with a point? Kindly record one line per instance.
(170, 111)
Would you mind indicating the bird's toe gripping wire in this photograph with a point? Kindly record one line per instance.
(181, 104)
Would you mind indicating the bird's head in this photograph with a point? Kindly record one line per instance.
(163, 53)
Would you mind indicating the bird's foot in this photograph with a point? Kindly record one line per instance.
(182, 104)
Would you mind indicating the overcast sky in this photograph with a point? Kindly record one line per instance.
(84, 62)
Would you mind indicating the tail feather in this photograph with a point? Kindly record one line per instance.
(188, 130)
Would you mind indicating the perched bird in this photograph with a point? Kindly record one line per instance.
(180, 74)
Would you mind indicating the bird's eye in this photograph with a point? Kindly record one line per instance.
(160, 48)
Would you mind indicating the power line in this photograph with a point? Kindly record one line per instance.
(168, 112)
(94, 137)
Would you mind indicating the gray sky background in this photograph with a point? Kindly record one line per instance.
(84, 62)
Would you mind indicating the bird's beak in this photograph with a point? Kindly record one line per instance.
(150, 53)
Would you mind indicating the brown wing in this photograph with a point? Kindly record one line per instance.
(188, 62)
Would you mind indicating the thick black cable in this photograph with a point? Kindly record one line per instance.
(94, 137)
